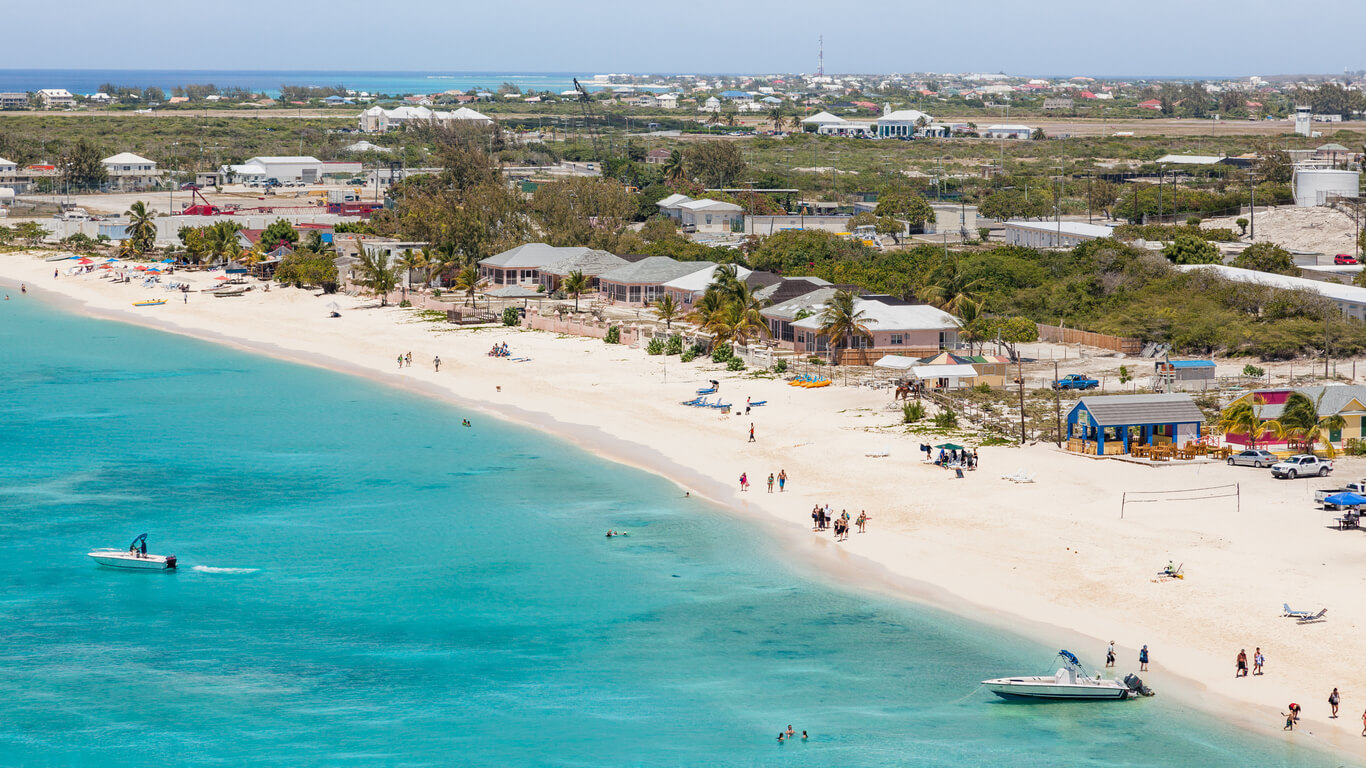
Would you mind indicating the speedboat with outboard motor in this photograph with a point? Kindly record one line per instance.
(134, 557)
(1070, 682)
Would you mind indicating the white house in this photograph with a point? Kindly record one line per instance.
(1014, 131)
(668, 101)
(7, 168)
(690, 287)
(822, 118)
(377, 119)
(711, 216)
(1350, 299)
(56, 97)
(712, 104)
(300, 168)
(129, 171)
(902, 123)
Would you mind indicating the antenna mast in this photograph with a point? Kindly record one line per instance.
(820, 55)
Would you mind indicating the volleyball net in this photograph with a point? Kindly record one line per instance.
(1232, 491)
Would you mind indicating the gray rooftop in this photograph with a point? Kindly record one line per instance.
(1335, 398)
(654, 270)
(531, 256)
(588, 261)
(1121, 410)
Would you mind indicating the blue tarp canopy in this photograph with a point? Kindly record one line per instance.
(1345, 499)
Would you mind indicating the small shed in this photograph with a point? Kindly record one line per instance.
(953, 376)
(1186, 370)
(1108, 425)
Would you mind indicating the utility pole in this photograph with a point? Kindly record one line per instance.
(1019, 374)
(1326, 313)
(1057, 402)
(1252, 207)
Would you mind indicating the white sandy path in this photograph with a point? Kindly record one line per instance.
(1051, 559)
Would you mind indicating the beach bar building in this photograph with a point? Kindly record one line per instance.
(1109, 425)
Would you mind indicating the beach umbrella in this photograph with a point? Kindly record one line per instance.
(1345, 499)
(221, 277)
(332, 305)
(85, 261)
(956, 447)
(106, 261)
(168, 261)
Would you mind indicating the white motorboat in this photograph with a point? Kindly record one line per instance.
(1070, 682)
(135, 557)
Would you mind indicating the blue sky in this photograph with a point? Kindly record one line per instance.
(1053, 37)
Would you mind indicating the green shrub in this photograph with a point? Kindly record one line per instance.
(984, 233)
(984, 388)
(613, 335)
(405, 304)
(815, 360)
(722, 354)
(655, 347)
(511, 316)
(689, 355)
(1192, 221)
(1124, 377)
(436, 293)
(946, 419)
(1253, 371)
(912, 412)
(674, 346)
(735, 364)
(780, 366)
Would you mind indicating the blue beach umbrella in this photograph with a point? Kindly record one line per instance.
(1346, 499)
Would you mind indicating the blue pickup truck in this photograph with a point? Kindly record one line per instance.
(1075, 381)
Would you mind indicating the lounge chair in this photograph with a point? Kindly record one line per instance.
(1292, 613)
(1013, 476)
(1023, 478)
(1312, 619)
(758, 403)
(707, 391)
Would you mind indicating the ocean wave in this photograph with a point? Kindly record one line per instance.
(212, 569)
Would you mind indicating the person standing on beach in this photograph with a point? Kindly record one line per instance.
(744, 481)
(862, 521)
(1242, 664)
(1363, 724)
(770, 482)
(751, 431)
(408, 360)
(1289, 723)
(23, 288)
(1143, 659)
(1295, 711)
(1333, 701)
(400, 362)
(782, 479)
(1257, 661)
(437, 362)
(1110, 655)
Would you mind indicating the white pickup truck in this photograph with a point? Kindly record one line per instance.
(1303, 465)
(1358, 487)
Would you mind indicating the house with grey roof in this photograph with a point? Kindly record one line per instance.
(643, 282)
(522, 265)
(1107, 425)
(589, 261)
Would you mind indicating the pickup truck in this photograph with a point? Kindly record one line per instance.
(1358, 487)
(1075, 381)
(1304, 464)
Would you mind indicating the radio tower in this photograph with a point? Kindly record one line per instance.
(820, 56)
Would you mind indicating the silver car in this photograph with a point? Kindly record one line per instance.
(1256, 459)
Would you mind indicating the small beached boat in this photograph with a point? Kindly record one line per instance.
(149, 303)
(1070, 682)
(134, 557)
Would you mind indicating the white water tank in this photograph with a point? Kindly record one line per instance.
(1313, 186)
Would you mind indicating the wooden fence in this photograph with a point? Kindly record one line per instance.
(1086, 338)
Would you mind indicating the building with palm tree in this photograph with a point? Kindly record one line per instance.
(642, 283)
(524, 264)
(1303, 416)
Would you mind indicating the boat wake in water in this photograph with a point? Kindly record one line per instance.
(212, 569)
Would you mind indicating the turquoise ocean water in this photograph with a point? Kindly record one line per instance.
(88, 81)
(365, 582)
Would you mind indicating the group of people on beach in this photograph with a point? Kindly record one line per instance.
(823, 518)
(953, 458)
(1292, 718)
(499, 350)
(1142, 657)
(780, 478)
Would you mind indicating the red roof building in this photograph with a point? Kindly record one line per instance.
(1150, 104)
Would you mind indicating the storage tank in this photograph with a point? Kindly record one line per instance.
(1313, 186)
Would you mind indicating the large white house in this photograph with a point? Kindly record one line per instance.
(56, 97)
(303, 168)
(377, 119)
(902, 123)
(129, 171)
(703, 215)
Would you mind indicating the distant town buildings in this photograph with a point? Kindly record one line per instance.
(380, 120)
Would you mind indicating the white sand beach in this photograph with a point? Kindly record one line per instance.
(1051, 559)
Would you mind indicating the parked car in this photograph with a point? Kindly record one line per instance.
(1304, 464)
(1343, 258)
(1251, 458)
(1076, 381)
(189, 186)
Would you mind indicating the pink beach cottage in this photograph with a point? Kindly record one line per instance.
(1347, 401)
(690, 287)
(897, 327)
(522, 265)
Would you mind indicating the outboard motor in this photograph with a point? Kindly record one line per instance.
(170, 563)
(1135, 684)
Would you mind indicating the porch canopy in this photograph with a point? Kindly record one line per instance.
(896, 362)
(960, 371)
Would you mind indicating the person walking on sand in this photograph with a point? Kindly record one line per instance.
(408, 360)
(1257, 661)
(1363, 723)
(744, 481)
(782, 479)
(1241, 670)
(862, 521)
(1289, 722)
(751, 431)
(1143, 659)
(1295, 711)
(400, 362)
(437, 362)
(1110, 655)
(1333, 701)
(770, 482)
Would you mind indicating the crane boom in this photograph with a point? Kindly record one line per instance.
(589, 118)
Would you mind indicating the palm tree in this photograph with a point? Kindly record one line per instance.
(142, 227)
(724, 280)
(576, 283)
(675, 169)
(1300, 418)
(467, 281)
(377, 274)
(971, 320)
(841, 320)
(1244, 418)
(731, 118)
(776, 117)
(126, 249)
(794, 121)
(949, 287)
(667, 309)
(713, 118)
(410, 262)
